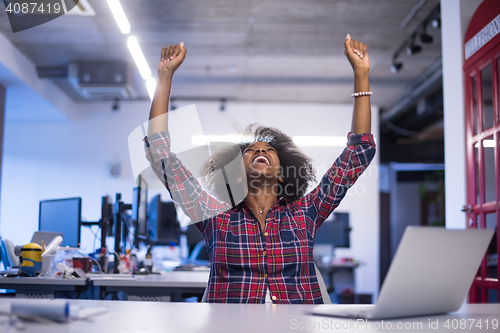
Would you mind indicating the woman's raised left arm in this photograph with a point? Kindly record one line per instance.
(358, 58)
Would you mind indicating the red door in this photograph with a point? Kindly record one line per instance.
(483, 167)
(482, 112)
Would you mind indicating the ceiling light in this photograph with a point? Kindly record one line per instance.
(336, 141)
(139, 58)
(436, 23)
(151, 87)
(413, 49)
(424, 37)
(396, 67)
(120, 17)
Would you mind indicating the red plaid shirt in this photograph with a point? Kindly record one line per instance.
(244, 260)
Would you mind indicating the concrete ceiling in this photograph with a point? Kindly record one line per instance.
(246, 50)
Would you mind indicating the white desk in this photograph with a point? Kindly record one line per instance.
(42, 286)
(153, 287)
(220, 318)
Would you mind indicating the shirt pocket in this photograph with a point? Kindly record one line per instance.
(242, 245)
(291, 250)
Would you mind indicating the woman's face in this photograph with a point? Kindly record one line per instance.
(261, 159)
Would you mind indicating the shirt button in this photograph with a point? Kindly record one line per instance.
(265, 275)
(264, 253)
(266, 234)
(274, 298)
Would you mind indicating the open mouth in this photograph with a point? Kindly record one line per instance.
(261, 159)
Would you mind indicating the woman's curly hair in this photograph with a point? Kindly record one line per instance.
(297, 168)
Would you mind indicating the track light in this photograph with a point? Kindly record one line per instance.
(412, 48)
(436, 23)
(425, 38)
(396, 67)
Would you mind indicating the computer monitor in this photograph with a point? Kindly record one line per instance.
(62, 215)
(335, 230)
(106, 221)
(140, 211)
(162, 220)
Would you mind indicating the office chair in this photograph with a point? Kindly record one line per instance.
(9, 259)
(322, 286)
(321, 282)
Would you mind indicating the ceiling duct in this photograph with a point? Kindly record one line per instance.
(101, 80)
(419, 89)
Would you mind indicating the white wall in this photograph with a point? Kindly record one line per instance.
(455, 18)
(65, 159)
(28, 97)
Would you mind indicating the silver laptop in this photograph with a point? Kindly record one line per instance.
(431, 273)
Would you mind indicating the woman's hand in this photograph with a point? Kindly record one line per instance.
(356, 54)
(171, 58)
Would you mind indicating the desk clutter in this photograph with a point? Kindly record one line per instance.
(145, 235)
(146, 245)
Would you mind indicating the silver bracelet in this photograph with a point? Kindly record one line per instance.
(362, 93)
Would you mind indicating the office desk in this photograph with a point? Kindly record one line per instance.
(220, 318)
(153, 287)
(42, 287)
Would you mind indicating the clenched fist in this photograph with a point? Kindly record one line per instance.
(355, 52)
(171, 58)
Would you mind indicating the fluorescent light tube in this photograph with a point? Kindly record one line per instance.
(120, 17)
(151, 86)
(139, 58)
(336, 141)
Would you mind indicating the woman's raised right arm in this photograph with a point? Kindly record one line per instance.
(170, 59)
(183, 187)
